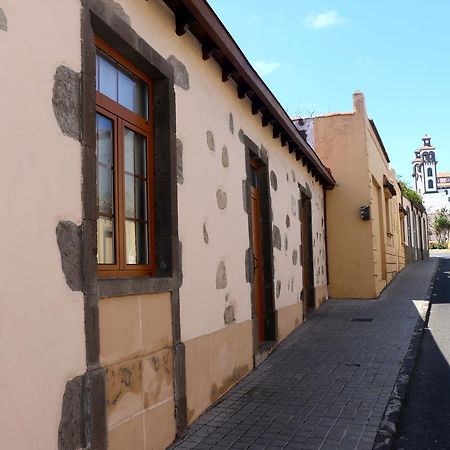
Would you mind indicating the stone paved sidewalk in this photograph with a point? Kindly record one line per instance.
(327, 385)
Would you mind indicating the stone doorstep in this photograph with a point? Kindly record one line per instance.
(388, 427)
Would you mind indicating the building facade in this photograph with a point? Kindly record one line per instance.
(366, 239)
(170, 214)
(433, 186)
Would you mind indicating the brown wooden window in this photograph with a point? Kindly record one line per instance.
(125, 184)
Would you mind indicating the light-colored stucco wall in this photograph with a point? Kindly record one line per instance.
(42, 323)
(206, 106)
(394, 257)
(341, 144)
(363, 255)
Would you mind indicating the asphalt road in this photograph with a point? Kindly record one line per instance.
(426, 417)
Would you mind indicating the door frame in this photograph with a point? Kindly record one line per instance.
(258, 156)
(308, 292)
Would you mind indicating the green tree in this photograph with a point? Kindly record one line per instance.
(410, 193)
(441, 227)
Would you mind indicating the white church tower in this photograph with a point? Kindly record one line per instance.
(424, 168)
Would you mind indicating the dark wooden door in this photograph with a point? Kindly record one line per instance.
(258, 276)
(307, 255)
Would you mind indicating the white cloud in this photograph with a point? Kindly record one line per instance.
(264, 67)
(324, 19)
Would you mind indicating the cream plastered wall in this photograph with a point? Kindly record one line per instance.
(41, 320)
(340, 142)
(204, 107)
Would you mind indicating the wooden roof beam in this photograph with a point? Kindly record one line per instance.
(182, 21)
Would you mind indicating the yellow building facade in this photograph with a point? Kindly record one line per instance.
(366, 239)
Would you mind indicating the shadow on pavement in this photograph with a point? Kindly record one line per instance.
(425, 422)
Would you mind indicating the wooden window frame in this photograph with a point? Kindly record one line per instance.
(123, 117)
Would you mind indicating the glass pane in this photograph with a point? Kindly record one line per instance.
(141, 199)
(140, 155)
(253, 176)
(104, 140)
(105, 190)
(105, 241)
(126, 91)
(130, 241)
(140, 99)
(97, 71)
(135, 153)
(107, 78)
(141, 243)
(136, 241)
(129, 196)
(129, 150)
(117, 83)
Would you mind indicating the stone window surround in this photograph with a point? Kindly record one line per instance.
(101, 22)
(100, 19)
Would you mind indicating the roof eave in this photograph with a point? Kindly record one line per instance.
(199, 18)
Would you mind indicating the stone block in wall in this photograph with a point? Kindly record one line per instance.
(128, 434)
(156, 318)
(198, 375)
(214, 363)
(159, 423)
(119, 329)
(289, 318)
(124, 390)
(157, 377)
(223, 356)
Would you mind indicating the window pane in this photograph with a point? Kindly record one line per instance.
(129, 150)
(117, 83)
(107, 78)
(253, 176)
(105, 241)
(135, 153)
(141, 243)
(126, 91)
(141, 99)
(136, 240)
(140, 155)
(141, 199)
(131, 241)
(129, 196)
(105, 190)
(104, 140)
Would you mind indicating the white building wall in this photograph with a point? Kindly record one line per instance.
(42, 341)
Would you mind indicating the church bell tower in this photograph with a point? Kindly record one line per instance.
(424, 168)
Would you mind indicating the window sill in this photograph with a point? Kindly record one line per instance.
(119, 287)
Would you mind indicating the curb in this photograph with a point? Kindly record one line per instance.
(388, 427)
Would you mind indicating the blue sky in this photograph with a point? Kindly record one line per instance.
(314, 54)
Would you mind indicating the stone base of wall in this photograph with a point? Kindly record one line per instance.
(136, 352)
(321, 294)
(150, 429)
(214, 363)
(289, 318)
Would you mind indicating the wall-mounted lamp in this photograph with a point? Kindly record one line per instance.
(365, 212)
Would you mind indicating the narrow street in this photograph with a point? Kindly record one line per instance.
(426, 416)
(327, 385)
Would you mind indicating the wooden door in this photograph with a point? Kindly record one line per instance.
(307, 254)
(258, 276)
